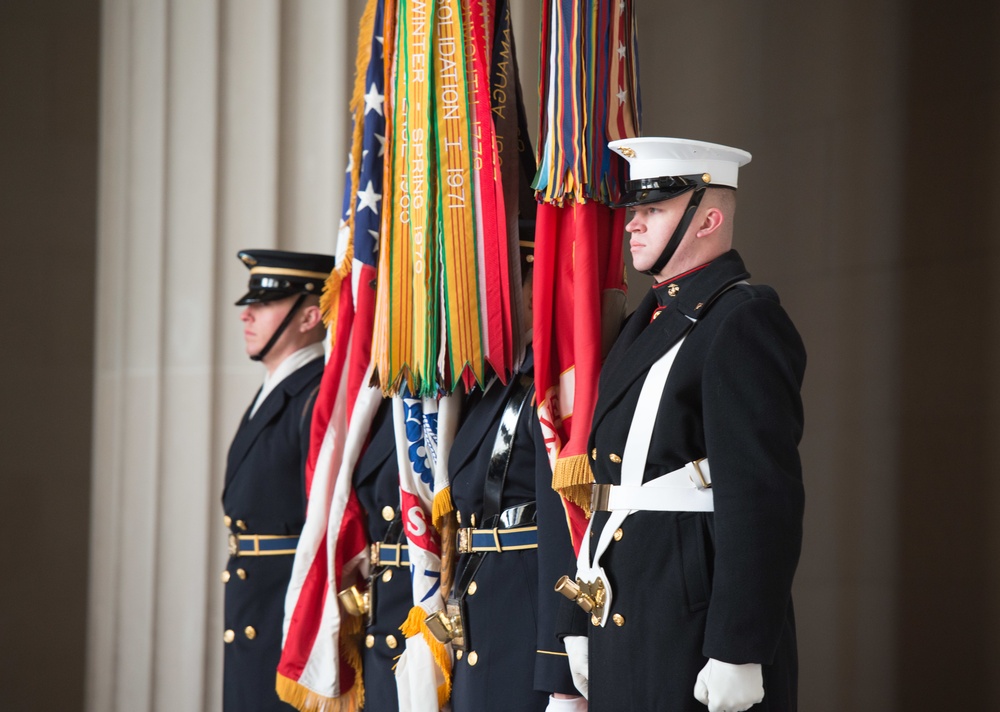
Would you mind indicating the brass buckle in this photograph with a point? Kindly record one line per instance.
(355, 602)
(600, 496)
(464, 540)
(234, 545)
(376, 550)
(589, 596)
(446, 625)
(705, 484)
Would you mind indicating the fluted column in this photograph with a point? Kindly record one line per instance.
(223, 126)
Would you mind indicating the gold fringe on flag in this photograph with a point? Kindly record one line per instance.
(415, 625)
(442, 507)
(572, 478)
(305, 700)
(330, 298)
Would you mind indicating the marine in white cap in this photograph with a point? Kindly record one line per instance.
(685, 577)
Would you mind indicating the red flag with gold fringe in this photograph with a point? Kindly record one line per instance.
(588, 87)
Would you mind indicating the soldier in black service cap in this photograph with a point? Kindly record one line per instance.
(264, 499)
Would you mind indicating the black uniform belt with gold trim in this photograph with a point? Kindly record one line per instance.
(262, 544)
(471, 540)
(390, 554)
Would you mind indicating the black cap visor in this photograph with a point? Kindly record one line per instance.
(265, 295)
(653, 190)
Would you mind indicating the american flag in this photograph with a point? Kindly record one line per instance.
(320, 664)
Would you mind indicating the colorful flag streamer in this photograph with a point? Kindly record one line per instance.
(589, 94)
(445, 308)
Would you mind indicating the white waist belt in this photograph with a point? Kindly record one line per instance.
(687, 489)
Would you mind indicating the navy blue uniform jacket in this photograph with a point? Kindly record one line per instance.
(265, 490)
(512, 625)
(376, 483)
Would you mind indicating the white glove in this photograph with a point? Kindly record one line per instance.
(579, 653)
(567, 704)
(725, 687)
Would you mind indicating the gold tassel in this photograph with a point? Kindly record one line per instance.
(415, 625)
(572, 479)
(331, 288)
(305, 700)
(442, 507)
(350, 651)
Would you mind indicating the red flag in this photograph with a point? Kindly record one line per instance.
(578, 275)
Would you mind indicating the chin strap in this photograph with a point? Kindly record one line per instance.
(281, 327)
(675, 239)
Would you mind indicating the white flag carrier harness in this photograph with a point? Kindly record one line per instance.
(686, 489)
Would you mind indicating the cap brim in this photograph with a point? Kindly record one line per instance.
(263, 295)
(632, 198)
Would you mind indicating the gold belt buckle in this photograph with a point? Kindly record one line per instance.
(376, 551)
(234, 545)
(464, 540)
(600, 496)
(705, 484)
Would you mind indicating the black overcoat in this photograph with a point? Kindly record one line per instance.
(688, 586)
(518, 660)
(264, 494)
(376, 483)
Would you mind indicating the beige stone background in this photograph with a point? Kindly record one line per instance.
(142, 142)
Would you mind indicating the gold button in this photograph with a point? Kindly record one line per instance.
(619, 619)
(458, 654)
(369, 641)
(387, 576)
(225, 577)
(458, 516)
(229, 636)
(472, 520)
(242, 573)
(615, 458)
(473, 658)
(656, 314)
(593, 454)
(388, 513)
(673, 290)
(473, 587)
(249, 632)
(707, 177)
(241, 525)
(227, 520)
(594, 620)
(390, 640)
(618, 534)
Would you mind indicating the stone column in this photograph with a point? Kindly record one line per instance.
(223, 126)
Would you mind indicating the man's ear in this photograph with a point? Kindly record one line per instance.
(712, 221)
(311, 318)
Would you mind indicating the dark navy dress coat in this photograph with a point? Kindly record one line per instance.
(518, 660)
(264, 494)
(689, 586)
(376, 483)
